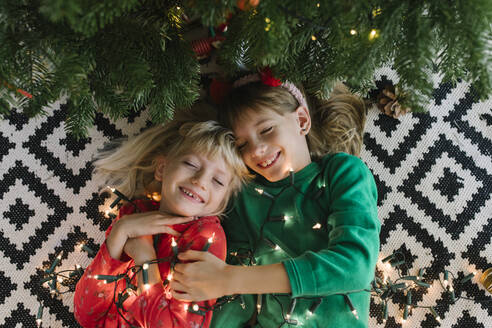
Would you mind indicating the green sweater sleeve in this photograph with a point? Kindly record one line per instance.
(349, 259)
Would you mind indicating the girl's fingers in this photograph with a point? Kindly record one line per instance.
(177, 286)
(179, 270)
(174, 220)
(192, 255)
(181, 296)
(170, 231)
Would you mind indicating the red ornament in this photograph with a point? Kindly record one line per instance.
(203, 47)
(268, 78)
(246, 5)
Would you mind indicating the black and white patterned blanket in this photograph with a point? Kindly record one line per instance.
(434, 177)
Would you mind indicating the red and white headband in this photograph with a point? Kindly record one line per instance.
(266, 77)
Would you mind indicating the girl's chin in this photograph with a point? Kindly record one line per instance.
(276, 176)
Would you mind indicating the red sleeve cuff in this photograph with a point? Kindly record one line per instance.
(109, 264)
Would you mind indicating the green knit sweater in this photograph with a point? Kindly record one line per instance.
(328, 241)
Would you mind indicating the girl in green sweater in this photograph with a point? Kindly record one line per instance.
(303, 237)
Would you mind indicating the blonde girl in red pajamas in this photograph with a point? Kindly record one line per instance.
(195, 167)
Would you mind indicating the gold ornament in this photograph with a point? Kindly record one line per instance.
(486, 279)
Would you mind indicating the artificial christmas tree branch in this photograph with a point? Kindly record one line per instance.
(119, 56)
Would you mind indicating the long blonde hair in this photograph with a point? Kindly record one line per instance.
(131, 166)
(337, 124)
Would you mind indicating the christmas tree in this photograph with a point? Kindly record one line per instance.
(119, 56)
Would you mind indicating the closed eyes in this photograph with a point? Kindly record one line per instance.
(191, 164)
(264, 131)
(219, 182)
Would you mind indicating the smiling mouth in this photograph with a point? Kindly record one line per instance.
(191, 195)
(269, 163)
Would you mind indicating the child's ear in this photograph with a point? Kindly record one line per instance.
(303, 120)
(159, 168)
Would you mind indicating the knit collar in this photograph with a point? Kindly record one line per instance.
(300, 177)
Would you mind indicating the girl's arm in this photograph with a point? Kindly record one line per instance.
(347, 262)
(93, 298)
(141, 250)
(209, 277)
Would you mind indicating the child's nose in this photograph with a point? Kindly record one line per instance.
(199, 180)
(259, 149)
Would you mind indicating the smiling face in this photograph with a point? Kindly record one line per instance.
(271, 143)
(193, 184)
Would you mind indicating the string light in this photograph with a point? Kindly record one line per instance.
(55, 263)
(174, 246)
(39, 316)
(186, 306)
(282, 218)
(396, 263)
(262, 192)
(373, 34)
(156, 196)
(351, 306)
(209, 242)
(320, 191)
(195, 307)
(353, 32)
(259, 301)
(434, 313)
(86, 248)
(145, 275)
(314, 306)
(313, 37)
(292, 307)
(317, 226)
(468, 277)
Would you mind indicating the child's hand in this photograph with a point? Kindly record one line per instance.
(137, 225)
(204, 279)
(140, 249)
(149, 223)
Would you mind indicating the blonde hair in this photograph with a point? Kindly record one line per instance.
(131, 166)
(337, 123)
